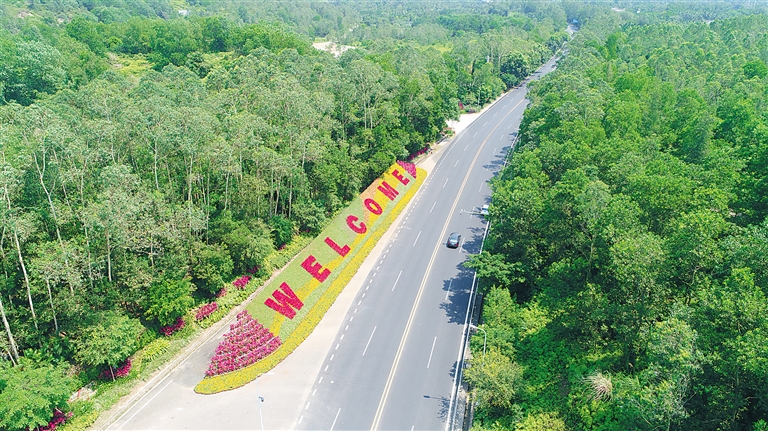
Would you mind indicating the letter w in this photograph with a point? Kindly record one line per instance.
(284, 301)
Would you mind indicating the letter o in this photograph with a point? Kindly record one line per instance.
(373, 206)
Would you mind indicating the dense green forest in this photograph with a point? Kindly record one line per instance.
(625, 273)
(148, 157)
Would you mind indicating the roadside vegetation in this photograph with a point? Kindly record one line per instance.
(150, 157)
(625, 272)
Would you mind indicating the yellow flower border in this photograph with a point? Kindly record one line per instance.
(243, 376)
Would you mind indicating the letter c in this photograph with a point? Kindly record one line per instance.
(357, 229)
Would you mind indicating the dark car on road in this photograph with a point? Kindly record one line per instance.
(453, 240)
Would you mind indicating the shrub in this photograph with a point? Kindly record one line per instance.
(121, 371)
(59, 418)
(169, 300)
(283, 230)
(30, 392)
(211, 265)
(170, 329)
(156, 348)
(241, 282)
(206, 310)
(108, 342)
(80, 422)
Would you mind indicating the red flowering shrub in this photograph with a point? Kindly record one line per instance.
(206, 310)
(59, 418)
(254, 270)
(170, 329)
(410, 167)
(121, 371)
(241, 282)
(222, 292)
(246, 343)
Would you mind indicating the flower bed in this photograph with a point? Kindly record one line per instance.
(121, 371)
(246, 343)
(320, 272)
(170, 329)
(206, 310)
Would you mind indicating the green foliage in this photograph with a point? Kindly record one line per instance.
(80, 422)
(211, 266)
(283, 230)
(108, 341)
(541, 422)
(248, 246)
(632, 226)
(755, 68)
(155, 349)
(141, 147)
(29, 392)
(169, 299)
(493, 270)
(496, 379)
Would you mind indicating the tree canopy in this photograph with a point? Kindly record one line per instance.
(626, 232)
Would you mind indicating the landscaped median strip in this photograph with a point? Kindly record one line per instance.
(295, 301)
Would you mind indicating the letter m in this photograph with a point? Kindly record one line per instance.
(284, 303)
(388, 190)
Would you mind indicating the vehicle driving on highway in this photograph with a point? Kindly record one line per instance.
(453, 240)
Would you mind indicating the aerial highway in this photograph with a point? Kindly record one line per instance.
(394, 361)
(397, 347)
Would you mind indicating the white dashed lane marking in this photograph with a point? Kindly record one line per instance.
(398, 279)
(369, 341)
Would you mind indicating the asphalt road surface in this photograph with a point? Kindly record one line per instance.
(393, 363)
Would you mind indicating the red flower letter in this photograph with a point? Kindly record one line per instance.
(284, 301)
(315, 269)
(357, 229)
(373, 206)
(335, 247)
(402, 179)
(388, 190)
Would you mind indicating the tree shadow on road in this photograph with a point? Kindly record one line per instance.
(458, 288)
(497, 162)
(444, 403)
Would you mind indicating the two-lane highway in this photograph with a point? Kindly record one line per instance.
(394, 360)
